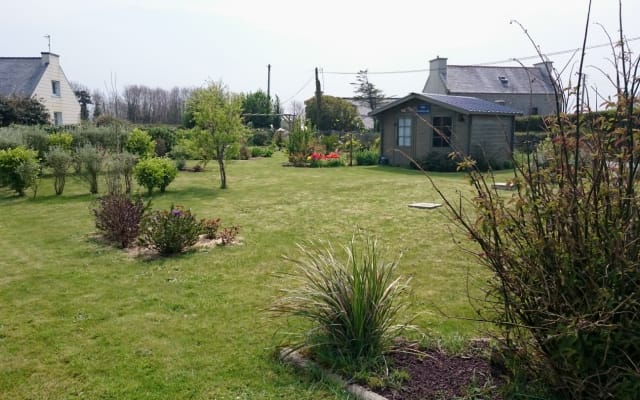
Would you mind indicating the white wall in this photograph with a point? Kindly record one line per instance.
(66, 103)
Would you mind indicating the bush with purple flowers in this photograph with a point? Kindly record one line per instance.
(170, 231)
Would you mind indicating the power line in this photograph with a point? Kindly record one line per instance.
(412, 71)
(298, 92)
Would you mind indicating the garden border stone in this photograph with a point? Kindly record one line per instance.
(296, 359)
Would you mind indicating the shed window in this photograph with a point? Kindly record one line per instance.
(55, 88)
(441, 131)
(404, 131)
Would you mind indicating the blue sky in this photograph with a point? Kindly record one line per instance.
(162, 43)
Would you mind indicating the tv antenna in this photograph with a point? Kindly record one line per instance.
(48, 42)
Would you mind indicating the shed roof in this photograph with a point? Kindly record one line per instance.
(484, 79)
(20, 75)
(461, 104)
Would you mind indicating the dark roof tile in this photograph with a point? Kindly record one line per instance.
(19, 76)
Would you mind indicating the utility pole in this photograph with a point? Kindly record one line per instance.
(269, 81)
(318, 99)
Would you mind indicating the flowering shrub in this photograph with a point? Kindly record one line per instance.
(325, 160)
(170, 231)
(228, 235)
(118, 216)
(210, 227)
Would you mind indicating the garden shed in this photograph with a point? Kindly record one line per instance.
(424, 124)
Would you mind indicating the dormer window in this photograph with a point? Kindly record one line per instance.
(503, 80)
(55, 88)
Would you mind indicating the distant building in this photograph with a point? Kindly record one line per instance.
(41, 78)
(421, 124)
(364, 109)
(526, 89)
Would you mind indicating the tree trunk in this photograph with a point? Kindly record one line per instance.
(223, 174)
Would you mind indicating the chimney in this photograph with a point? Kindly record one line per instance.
(546, 67)
(438, 65)
(50, 58)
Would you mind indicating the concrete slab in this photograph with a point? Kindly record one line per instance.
(426, 206)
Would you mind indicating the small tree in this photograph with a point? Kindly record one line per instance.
(91, 160)
(336, 114)
(257, 103)
(59, 160)
(218, 113)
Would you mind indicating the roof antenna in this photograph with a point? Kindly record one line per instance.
(48, 41)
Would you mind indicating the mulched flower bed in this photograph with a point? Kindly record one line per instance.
(437, 375)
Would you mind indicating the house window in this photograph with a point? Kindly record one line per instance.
(404, 131)
(441, 131)
(57, 118)
(55, 88)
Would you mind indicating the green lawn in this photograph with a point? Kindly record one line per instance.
(81, 320)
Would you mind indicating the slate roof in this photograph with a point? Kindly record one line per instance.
(461, 104)
(482, 79)
(20, 75)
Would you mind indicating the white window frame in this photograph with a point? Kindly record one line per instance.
(57, 118)
(55, 88)
(404, 131)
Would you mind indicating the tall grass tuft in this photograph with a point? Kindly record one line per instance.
(351, 299)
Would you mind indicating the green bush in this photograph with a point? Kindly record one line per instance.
(11, 161)
(140, 143)
(165, 138)
(260, 137)
(119, 169)
(110, 137)
(155, 172)
(351, 300)
(64, 140)
(171, 231)
(438, 162)
(261, 152)
(367, 157)
(59, 160)
(118, 217)
(91, 160)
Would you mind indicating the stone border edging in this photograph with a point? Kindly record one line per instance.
(295, 358)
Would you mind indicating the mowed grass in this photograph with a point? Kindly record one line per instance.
(79, 319)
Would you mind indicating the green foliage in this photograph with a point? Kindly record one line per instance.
(330, 142)
(108, 137)
(64, 140)
(217, 113)
(261, 152)
(118, 217)
(22, 111)
(563, 250)
(366, 92)
(367, 157)
(155, 172)
(257, 103)
(84, 98)
(299, 143)
(437, 161)
(59, 160)
(91, 161)
(10, 172)
(350, 299)
(140, 143)
(165, 138)
(29, 172)
(119, 172)
(170, 232)
(260, 137)
(336, 114)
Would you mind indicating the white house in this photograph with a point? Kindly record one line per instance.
(41, 78)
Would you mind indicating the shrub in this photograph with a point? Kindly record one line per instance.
(140, 143)
(438, 162)
(210, 227)
(91, 160)
(155, 172)
(367, 157)
(165, 138)
(59, 161)
(261, 152)
(64, 140)
(170, 231)
(245, 152)
(351, 302)
(118, 217)
(10, 161)
(260, 137)
(29, 172)
(228, 235)
(118, 172)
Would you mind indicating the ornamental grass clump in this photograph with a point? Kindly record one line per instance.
(352, 301)
(170, 231)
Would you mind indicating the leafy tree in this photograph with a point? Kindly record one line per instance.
(257, 103)
(22, 111)
(59, 160)
(140, 143)
(277, 109)
(366, 92)
(84, 98)
(336, 114)
(218, 112)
